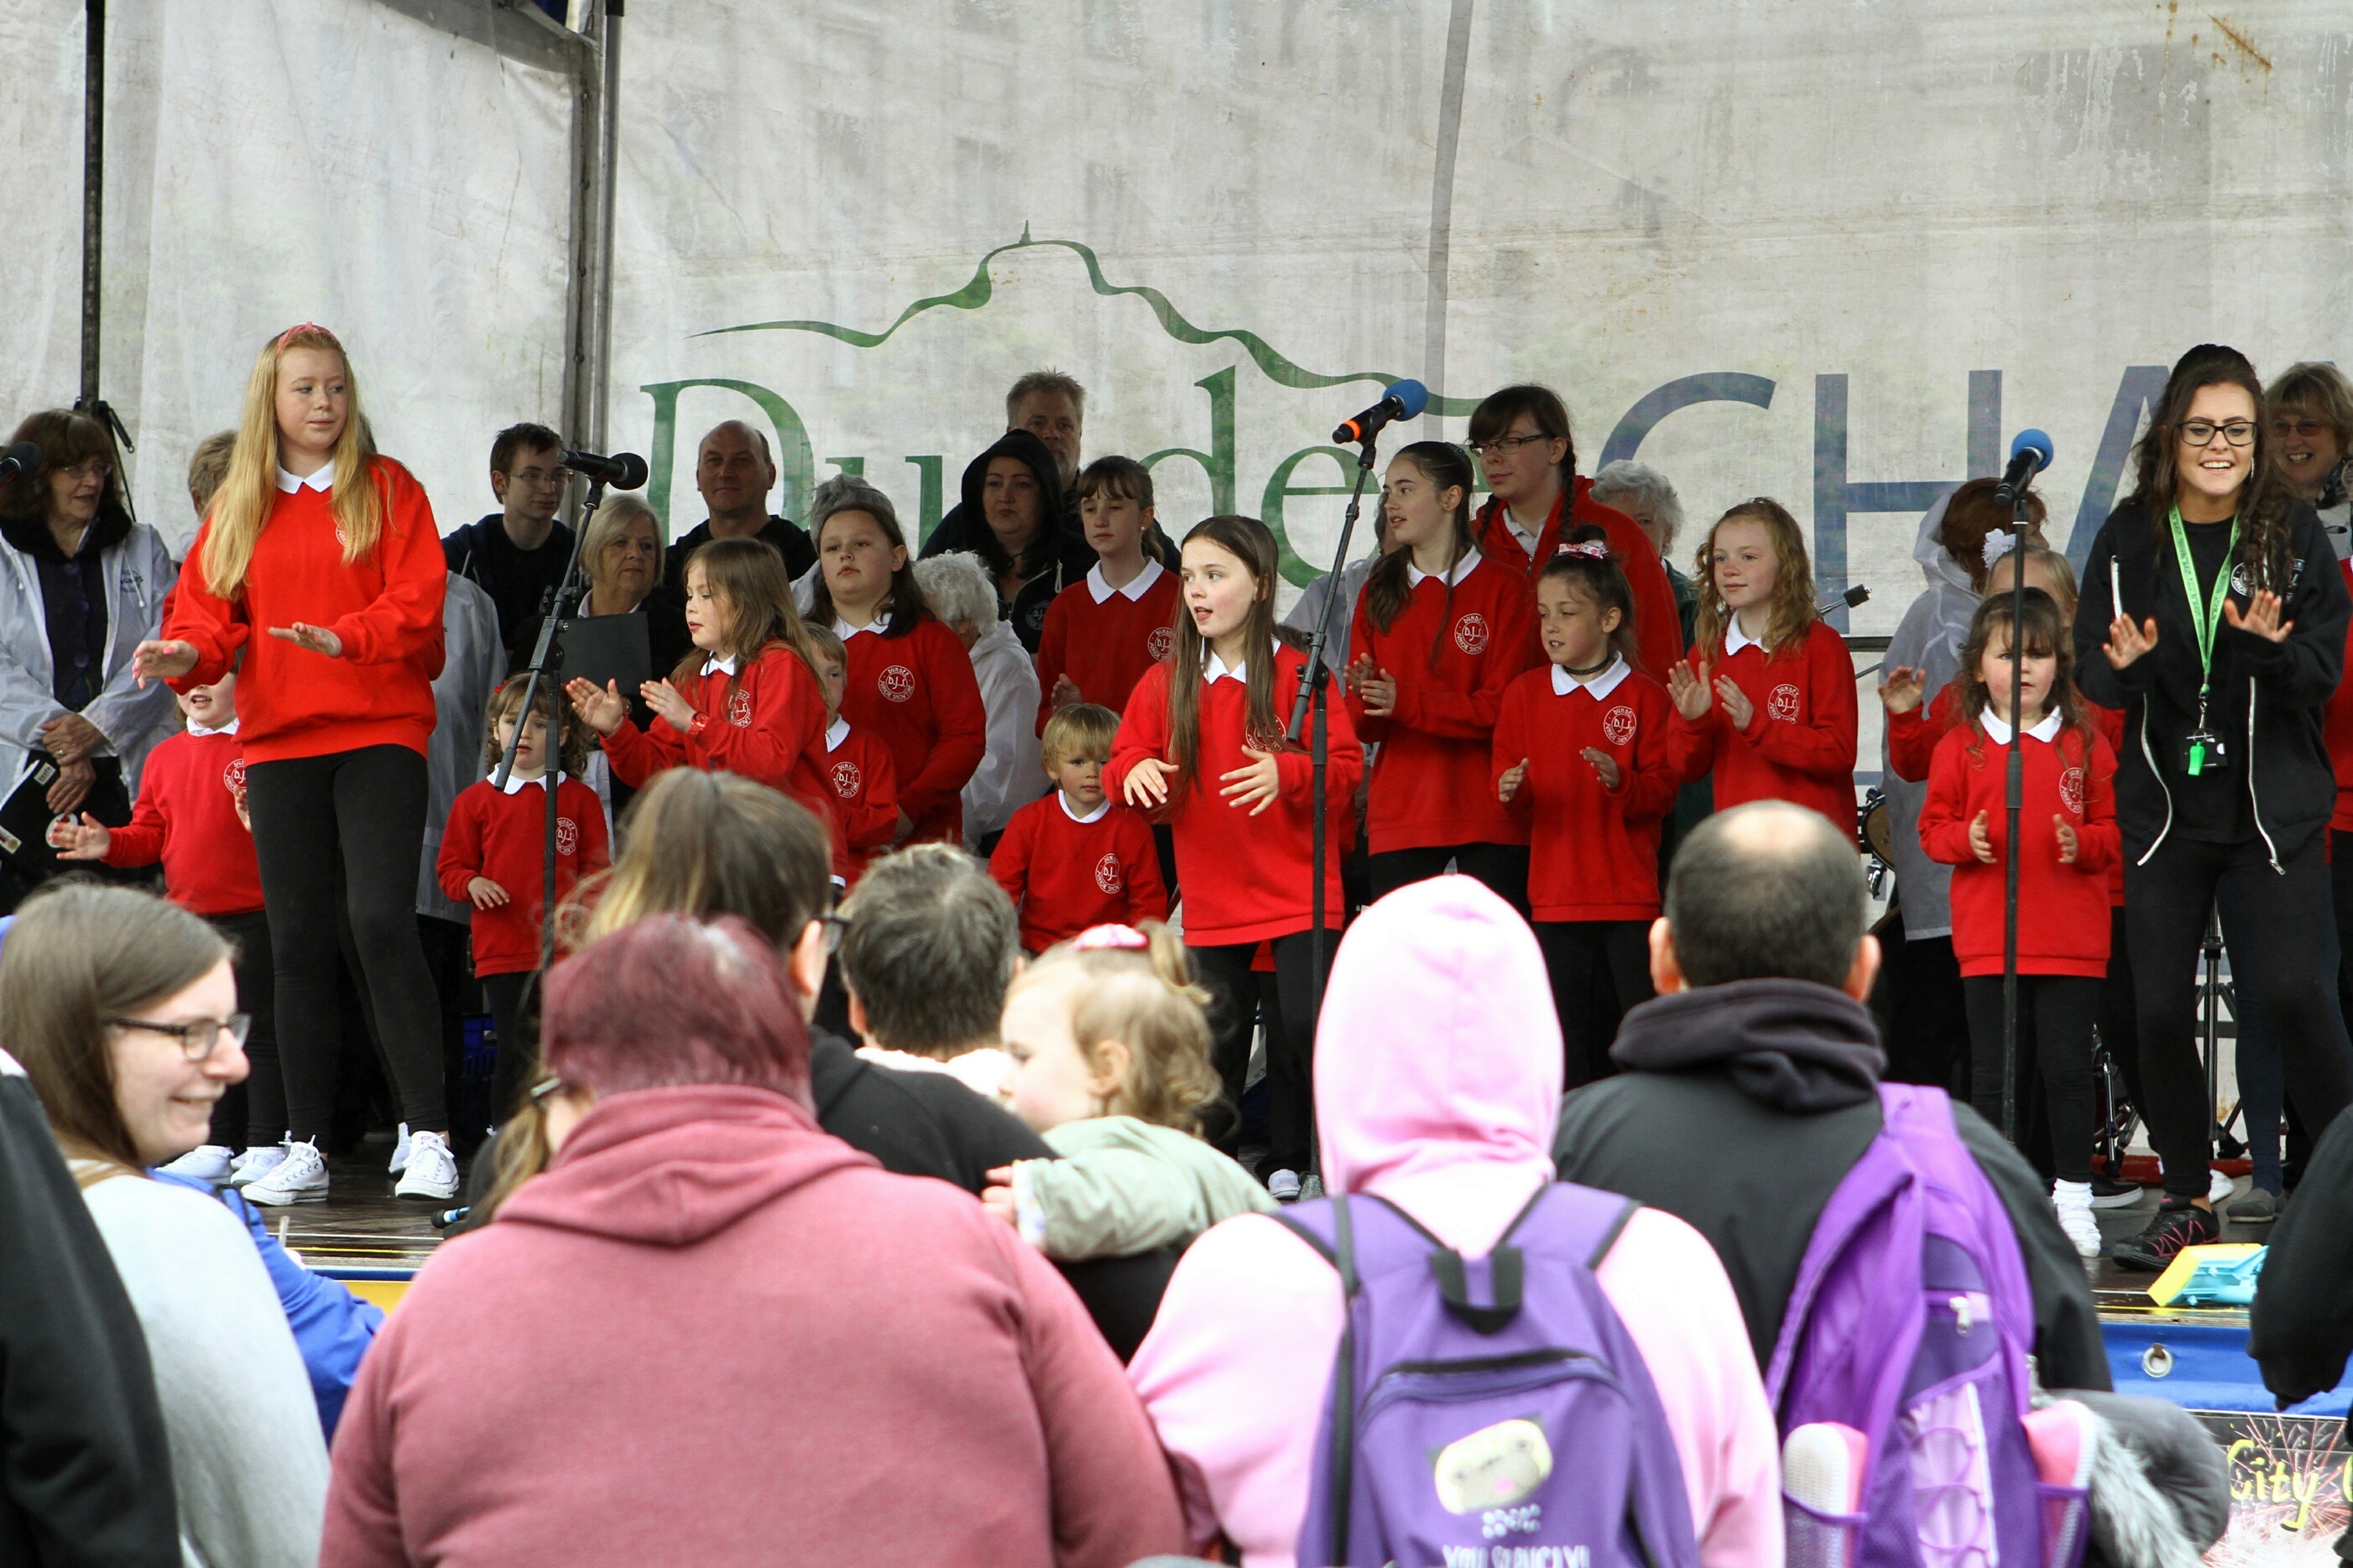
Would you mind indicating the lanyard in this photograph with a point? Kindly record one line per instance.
(2206, 617)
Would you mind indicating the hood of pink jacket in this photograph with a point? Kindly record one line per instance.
(1438, 1061)
(671, 1167)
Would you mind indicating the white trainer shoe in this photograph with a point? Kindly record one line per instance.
(2219, 1187)
(1284, 1186)
(209, 1162)
(400, 1152)
(2072, 1201)
(255, 1163)
(432, 1169)
(300, 1178)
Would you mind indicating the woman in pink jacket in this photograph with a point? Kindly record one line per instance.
(1437, 1081)
(710, 1333)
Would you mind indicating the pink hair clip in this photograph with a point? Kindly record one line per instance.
(1588, 550)
(1095, 937)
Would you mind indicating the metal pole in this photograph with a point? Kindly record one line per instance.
(607, 163)
(93, 185)
(2016, 805)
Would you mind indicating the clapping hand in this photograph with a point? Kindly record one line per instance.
(317, 640)
(2262, 616)
(1689, 689)
(1902, 690)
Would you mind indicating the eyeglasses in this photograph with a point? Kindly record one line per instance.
(1504, 444)
(198, 1037)
(836, 926)
(2290, 429)
(88, 468)
(2201, 432)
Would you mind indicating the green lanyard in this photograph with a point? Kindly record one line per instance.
(2205, 617)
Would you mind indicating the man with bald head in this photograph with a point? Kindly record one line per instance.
(735, 472)
(1749, 1088)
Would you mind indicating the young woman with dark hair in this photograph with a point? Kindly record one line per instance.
(1440, 631)
(2213, 617)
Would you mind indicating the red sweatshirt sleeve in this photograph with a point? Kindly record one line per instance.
(637, 754)
(213, 626)
(1649, 787)
(873, 816)
(1823, 746)
(1050, 660)
(1945, 815)
(1147, 895)
(787, 720)
(1295, 770)
(963, 722)
(404, 621)
(461, 844)
(141, 841)
(1142, 731)
(1470, 715)
(1009, 866)
(1911, 736)
(1371, 727)
(1691, 742)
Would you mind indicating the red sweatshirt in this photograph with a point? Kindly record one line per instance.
(2062, 910)
(918, 696)
(1658, 625)
(1104, 638)
(2336, 730)
(772, 729)
(502, 835)
(291, 702)
(1430, 782)
(862, 799)
(186, 818)
(1800, 741)
(1065, 873)
(1245, 878)
(1594, 852)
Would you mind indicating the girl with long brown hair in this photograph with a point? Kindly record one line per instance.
(1202, 744)
(318, 577)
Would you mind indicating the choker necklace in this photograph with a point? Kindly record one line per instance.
(1590, 670)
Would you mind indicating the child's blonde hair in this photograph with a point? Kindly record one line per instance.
(508, 699)
(1081, 730)
(826, 648)
(1790, 612)
(241, 506)
(1135, 986)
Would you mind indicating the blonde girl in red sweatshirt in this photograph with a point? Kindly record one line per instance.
(1581, 758)
(2070, 839)
(1202, 741)
(1439, 633)
(318, 577)
(1766, 696)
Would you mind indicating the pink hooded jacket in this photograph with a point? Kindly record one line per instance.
(711, 1333)
(1437, 1079)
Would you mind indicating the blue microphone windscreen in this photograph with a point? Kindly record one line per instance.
(1412, 395)
(2036, 442)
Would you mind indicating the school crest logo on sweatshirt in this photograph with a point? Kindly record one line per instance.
(1107, 875)
(1470, 634)
(1161, 643)
(233, 777)
(567, 836)
(2071, 790)
(1784, 703)
(847, 780)
(1617, 725)
(897, 683)
(739, 708)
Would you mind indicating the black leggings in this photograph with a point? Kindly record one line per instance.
(1600, 969)
(1503, 868)
(253, 1113)
(1289, 1040)
(2055, 1016)
(354, 823)
(518, 1027)
(2289, 921)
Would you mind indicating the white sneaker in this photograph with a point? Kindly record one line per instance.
(2219, 1187)
(1284, 1186)
(432, 1170)
(400, 1152)
(255, 1163)
(300, 1178)
(2072, 1200)
(208, 1164)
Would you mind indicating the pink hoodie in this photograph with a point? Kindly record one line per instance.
(711, 1333)
(1437, 1079)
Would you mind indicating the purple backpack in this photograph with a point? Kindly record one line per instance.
(1912, 1322)
(1525, 1430)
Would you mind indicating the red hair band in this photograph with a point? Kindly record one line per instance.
(301, 327)
(1588, 550)
(1108, 936)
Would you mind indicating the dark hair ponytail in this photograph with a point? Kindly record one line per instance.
(1447, 466)
(1601, 579)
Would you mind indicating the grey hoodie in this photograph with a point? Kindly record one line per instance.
(1928, 640)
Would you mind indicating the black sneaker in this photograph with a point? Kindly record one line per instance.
(2168, 1233)
(2108, 1194)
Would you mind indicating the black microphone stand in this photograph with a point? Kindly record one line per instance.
(1314, 682)
(2016, 803)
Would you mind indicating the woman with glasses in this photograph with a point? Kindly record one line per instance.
(2213, 616)
(86, 586)
(1529, 459)
(123, 1009)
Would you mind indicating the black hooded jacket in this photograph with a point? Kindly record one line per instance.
(2301, 1329)
(1740, 1108)
(965, 530)
(2273, 693)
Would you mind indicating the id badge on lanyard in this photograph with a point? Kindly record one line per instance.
(2203, 751)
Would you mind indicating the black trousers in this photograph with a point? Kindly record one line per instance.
(2291, 921)
(1289, 1040)
(252, 1113)
(2056, 1018)
(1600, 969)
(517, 1021)
(353, 819)
(1928, 1024)
(1503, 868)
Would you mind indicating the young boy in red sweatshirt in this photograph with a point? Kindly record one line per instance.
(1103, 633)
(190, 816)
(494, 856)
(1077, 859)
(862, 799)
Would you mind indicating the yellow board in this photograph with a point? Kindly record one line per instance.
(384, 1293)
(2185, 1263)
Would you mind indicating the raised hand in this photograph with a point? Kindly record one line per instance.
(1689, 689)
(2127, 641)
(1377, 689)
(1902, 690)
(602, 711)
(85, 840)
(1066, 693)
(2262, 616)
(1147, 783)
(1513, 778)
(160, 659)
(1256, 786)
(317, 640)
(1605, 766)
(663, 699)
(1737, 705)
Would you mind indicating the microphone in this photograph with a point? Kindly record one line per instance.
(622, 470)
(1402, 401)
(2029, 456)
(23, 457)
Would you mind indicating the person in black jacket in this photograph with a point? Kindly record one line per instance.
(2301, 1329)
(1749, 1088)
(85, 1470)
(734, 471)
(2227, 643)
(1014, 519)
(517, 554)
